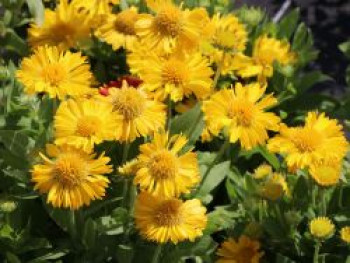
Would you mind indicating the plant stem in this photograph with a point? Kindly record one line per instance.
(214, 162)
(317, 252)
(168, 126)
(126, 180)
(218, 70)
(157, 253)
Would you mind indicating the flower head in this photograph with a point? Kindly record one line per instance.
(345, 234)
(71, 177)
(171, 26)
(164, 169)
(245, 250)
(321, 227)
(177, 76)
(134, 113)
(274, 187)
(266, 51)
(325, 173)
(58, 73)
(84, 123)
(321, 139)
(163, 220)
(119, 30)
(262, 171)
(66, 27)
(241, 112)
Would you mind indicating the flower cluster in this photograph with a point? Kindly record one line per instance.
(117, 124)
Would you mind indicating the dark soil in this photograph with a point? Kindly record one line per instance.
(329, 21)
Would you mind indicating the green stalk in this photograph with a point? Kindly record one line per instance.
(317, 252)
(156, 255)
(168, 126)
(126, 180)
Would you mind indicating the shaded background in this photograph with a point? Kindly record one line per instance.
(329, 21)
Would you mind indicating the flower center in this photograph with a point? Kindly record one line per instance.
(63, 32)
(129, 102)
(174, 72)
(54, 74)
(245, 255)
(243, 112)
(307, 140)
(88, 126)
(167, 22)
(69, 170)
(162, 165)
(168, 213)
(125, 22)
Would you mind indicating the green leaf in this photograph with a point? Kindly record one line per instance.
(190, 123)
(125, 253)
(308, 80)
(14, 43)
(221, 218)
(14, 141)
(12, 258)
(270, 157)
(300, 36)
(345, 48)
(301, 193)
(283, 259)
(54, 254)
(89, 234)
(36, 8)
(289, 23)
(216, 175)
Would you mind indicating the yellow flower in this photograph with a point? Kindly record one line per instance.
(54, 72)
(345, 234)
(245, 250)
(84, 123)
(163, 220)
(325, 173)
(119, 30)
(321, 227)
(134, 113)
(241, 113)
(177, 76)
(66, 27)
(320, 139)
(71, 177)
(265, 52)
(228, 33)
(164, 169)
(171, 26)
(274, 187)
(262, 171)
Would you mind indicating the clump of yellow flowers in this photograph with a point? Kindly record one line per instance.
(128, 124)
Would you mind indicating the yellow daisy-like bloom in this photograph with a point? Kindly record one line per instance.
(325, 173)
(58, 73)
(163, 169)
(163, 220)
(274, 187)
(265, 52)
(245, 250)
(320, 139)
(321, 227)
(177, 76)
(71, 177)
(262, 171)
(134, 113)
(345, 234)
(241, 113)
(84, 123)
(171, 26)
(119, 30)
(227, 33)
(66, 27)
